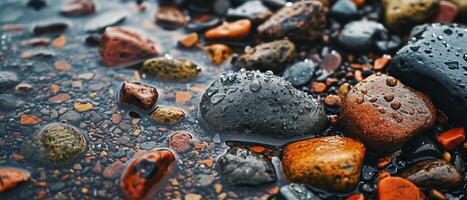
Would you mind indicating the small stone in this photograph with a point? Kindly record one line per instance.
(116, 118)
(29, 120)
(138, 95)
(189, 40)
(23, 88)
(267, 56)
(192, 196)
(167, 115)
(447, 12)
(420, 148)
(296, 191)
(82, 107)
(241, 166)
(71, 117)
(203, 23)
(86, 76)
(391, 188)
(7, 80)
(145, 173)
(303, 20)
(300, 73)
(332, 100)
(318, 87)
(381, 62)
(100, 22)
(331, 163)
(78, 8)
(252, 10)
(433, 173)
(360, 35)
(452, 138)
(50, 26)
(462, 5)
(218, 53)
(182, 97)
(62, 66)
(43, 53)
(113, 170)
(56, 143)
(236, 30)
(385, 125)
(170, 16)
(331, 62)
(403, 14)
(181, 142)
(167, 68)
(344, 10)
(60, 98)
(124, 46)
(12, 177)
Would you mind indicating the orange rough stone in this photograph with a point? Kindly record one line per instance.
(331, 163)
(145, 174)
(54, 88)
(381, 62)
(318, 87)
(257, 149)
(236, 30)
(189, 40)
(395, 188)
(182, 97)
(452, 138)
(357, 196)
(11, 177)
(218, 53)
(29, 120)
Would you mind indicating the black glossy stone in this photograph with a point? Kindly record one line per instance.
(300, 73)
(344, 10)
(200, 26)
(255, 106)
(241, 166)
(359, 35)
(435, 63)
(420, 148)
(51, 26)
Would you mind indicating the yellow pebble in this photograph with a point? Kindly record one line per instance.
(82, 107)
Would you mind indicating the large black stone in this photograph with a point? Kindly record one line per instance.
(435, 62)
(261, 107)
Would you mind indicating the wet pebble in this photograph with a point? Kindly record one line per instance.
(360, 35)
(218, 53)
(402, 14)
(170, 16)
(433, 174)
(167, 115)
(122, 46)
(8, 80)
(181, 141)
(303, 20)
(344, 10)
(391, 188)
(267, 56)
(138, 95)
(203, 25)
(436, 53)
(300, 73)
(268, 103)
(12, 177)
(168, 68)
(331, 163)
(51, 26)
(241, 166)
(71, 117)
(104, 20)
(236, 30)
(145, 173)
(384, 113)
(56, 143)
(252, 10)
(295, 191)
(78, 8)
(420, 148)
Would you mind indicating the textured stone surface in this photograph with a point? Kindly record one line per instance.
(167, 68)
(400, 15)
(433, 173)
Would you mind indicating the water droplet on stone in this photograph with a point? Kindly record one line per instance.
(217, 98)
(391, 81)
(452, 64)
(360, 100)
(389, 97)
(395, 105)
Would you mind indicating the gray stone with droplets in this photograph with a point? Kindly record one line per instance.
(260, 105)
(435, 62)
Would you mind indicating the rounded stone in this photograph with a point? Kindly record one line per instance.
(56, 143)
(300, 73)
(8, 80)
(403, 14)
(331, 163)
(168, 68)
(433, 174)
(435, 62)
(167, 115)
(385, 125)
(250, 105)
(267, 56)
(360, 35)
(241, 166)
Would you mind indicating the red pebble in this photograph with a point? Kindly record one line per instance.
(452, 138)
(123, 46)
(447, 12)
(138, 95)
(181, 142)
(145, 174)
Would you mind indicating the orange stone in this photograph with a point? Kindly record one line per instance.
(452, 138)
(182, 97)
(218, 53)
(382, 62)
(189, 40)
(29, 120)
(60, 98)
(11, 177)
(146, 173)
(359, 2)
(318, 87)
(54, 88)
(236, 30)
(59, 42)
(357, 196)
(395, 188)
(62, 66)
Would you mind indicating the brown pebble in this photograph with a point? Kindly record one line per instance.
(332, 100)
(29, 120)
(318, 87)
(113, 170)
(60, 98)
(62, 66)
(189, 40)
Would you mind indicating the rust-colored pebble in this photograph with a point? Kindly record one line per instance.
(452, 138)
(394, 188)
(236, 30)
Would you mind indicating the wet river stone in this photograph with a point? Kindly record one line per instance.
(433, 173)
(385, 113)
(252, 10)
(8, 80)
(360, 35)
(331, 163)
(241, 166)
(462, 4)
(167, 68)
(167, 115)
(138, 95)
(303, 20)
(403, 14)
(437, 53)
(300, 73)
(145, 174)
(267, 56)
(121, 46)
(251, 102)
(56, 143)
